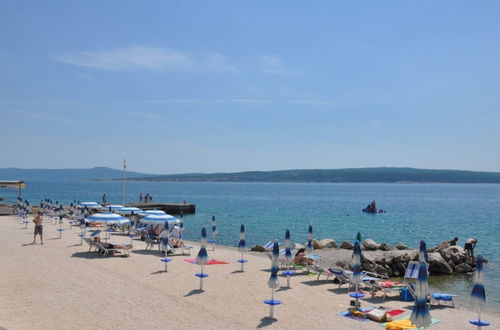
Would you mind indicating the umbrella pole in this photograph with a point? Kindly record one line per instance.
(357, 302)
(201, 278)
(271, 306)
(288, 275)
(60, 229)
(242, 262)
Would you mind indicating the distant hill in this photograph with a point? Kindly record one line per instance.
(96, 173)
(360, 175)
(366, 175)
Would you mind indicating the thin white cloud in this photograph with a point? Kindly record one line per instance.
(147, 58)
(146, 115)
(248, 101)
(44, 116)
(274, 64)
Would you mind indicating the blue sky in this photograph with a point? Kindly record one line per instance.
(213, 86)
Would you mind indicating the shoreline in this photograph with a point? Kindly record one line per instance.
(62, 286)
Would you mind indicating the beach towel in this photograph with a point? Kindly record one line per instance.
(403, 324)
(210, 262)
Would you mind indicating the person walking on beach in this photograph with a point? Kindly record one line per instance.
(469, 246)
(38, 227)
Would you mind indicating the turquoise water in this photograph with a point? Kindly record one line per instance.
(432, 212)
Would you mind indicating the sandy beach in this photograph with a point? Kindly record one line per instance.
(60, 285)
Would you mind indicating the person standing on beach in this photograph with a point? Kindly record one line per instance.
(38, 227)
(469, 246)
(104, 198)
(140, 197)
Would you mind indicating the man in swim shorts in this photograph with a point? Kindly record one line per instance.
(38, 227)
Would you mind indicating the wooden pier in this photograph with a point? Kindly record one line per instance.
(170, 208)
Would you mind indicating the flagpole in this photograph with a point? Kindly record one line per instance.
(124, 171)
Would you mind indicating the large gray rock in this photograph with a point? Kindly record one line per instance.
(440, 247)
(385, 247)
(455, 254)
(347, 245)
(401, 246)
(463, 268)
(328, 243)
(370, 245)
(437, 265)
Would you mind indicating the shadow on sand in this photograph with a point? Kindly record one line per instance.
(265, 321)
(194, 292)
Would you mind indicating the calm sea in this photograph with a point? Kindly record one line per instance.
(432, 212)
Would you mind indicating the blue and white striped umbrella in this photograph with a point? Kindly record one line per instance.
(214, 233)
(129, 210)
(107, 218)
(164, 238)
(288, 258)
(422, 254)
(288, 247)
(242, 247)
(478, 294)
(273, 281)
(114, 207)
(89, 205)
(309, 246)
(420, 315)
(155, 212)
(356, 263)
(202, 257)
(159, 219)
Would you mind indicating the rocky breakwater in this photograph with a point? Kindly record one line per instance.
(391, 261)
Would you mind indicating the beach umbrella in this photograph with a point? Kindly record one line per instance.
(214, 232)
(129, 210)
(107, 219)
(164, 243)
(89, 205)
(202, 257)
(420, 315)
(242, 246)
(150, 212)
(356, 272)
(288, 258)
(273, 281)
(358, 236)
(422, 255)
(159, 219)
(114, 207)
(309, 246)
(478, 295)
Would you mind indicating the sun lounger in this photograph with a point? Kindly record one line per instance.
(152, 241)
(90, 242)
(105, 251)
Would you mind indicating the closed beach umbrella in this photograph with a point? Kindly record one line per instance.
(420, 315)
(273, 281)
(214, 232)
(309, 246)
(478, 294)
(288, 257)
(164, 242)
(356, 271)
(159, 219)
(202, 257)
(358, 236)
(242, 246)
(422, 255)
